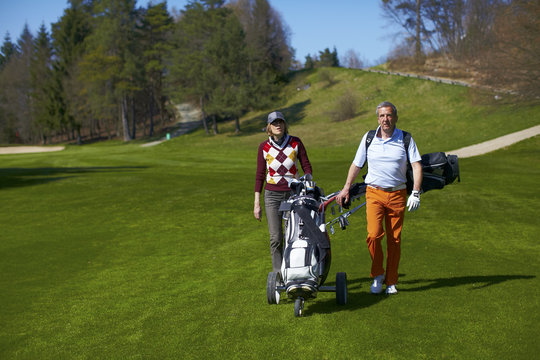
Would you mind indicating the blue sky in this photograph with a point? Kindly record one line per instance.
(359, 25)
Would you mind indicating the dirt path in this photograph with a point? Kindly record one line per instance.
(495, 144)
(190, 119)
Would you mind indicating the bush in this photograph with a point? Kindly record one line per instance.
(346, 107)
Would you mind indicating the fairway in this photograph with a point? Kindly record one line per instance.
(117, 251)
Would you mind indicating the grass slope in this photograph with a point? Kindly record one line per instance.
(118, 251)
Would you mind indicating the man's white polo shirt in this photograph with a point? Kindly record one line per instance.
(387, 160)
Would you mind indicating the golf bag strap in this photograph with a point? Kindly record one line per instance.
(311, 227)
(313, 231)
(406, 141)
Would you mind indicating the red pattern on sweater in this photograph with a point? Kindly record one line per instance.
(274, 164)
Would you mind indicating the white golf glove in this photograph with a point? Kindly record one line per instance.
(414, 201)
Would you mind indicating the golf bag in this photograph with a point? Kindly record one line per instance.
(306, 249)
(438, 171)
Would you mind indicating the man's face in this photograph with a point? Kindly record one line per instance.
(386, 119)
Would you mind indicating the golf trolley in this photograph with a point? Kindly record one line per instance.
(306, 248)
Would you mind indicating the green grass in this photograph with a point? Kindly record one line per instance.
(116, 251)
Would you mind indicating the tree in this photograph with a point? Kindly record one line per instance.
(328, 59)
(7, 51)
(408, 13)
(513, 61)
(155, 31)
(109, 66)
(268, 49)
(352, 60)
(72, 105)
(42, 85)
(15, 91)
(208, 63)
(309, 64)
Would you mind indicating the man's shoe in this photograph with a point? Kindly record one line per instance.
(391, 290)
(376, 287)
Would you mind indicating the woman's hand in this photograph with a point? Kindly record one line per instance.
(257, 212)
(257, 206)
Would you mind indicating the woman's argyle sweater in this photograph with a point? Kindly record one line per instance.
(278, 164)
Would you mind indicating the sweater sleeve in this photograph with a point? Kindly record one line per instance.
(304, 160)
(260, 175)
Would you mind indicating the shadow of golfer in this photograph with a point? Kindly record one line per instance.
(476, 282)
(358, 298)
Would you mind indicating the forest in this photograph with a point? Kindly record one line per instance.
(110, 68)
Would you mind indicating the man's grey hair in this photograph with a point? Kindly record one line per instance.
(386, 104)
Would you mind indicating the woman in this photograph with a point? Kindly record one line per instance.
(277, 164)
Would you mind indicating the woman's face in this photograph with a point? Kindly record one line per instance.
(277, 128)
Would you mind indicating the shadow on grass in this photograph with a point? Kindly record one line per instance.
(357, 299)
(477, 282)
(293, 114)
(19, 177)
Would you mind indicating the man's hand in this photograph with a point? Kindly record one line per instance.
(414, 201)
(342, 197)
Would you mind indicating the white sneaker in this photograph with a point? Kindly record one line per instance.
(376, 287)
(391, 290)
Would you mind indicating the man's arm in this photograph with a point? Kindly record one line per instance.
(417, 175)
(343, 196)
(413, 203)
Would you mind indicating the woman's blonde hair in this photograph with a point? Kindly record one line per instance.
(269, 131)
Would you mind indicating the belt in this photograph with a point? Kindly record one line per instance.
(389, 189)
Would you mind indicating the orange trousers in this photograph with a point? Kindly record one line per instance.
(387, 207)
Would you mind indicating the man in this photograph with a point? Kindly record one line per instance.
(386, 193)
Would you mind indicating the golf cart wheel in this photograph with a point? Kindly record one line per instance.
(341, 288)
(298, 307)
(272, 294)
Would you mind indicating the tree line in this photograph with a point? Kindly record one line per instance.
(109, 68)
(498, 40)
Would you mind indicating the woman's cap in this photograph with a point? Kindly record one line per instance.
(274, 116)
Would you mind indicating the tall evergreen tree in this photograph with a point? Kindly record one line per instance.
(208, 44)
(268, 49)
(72, 108)
(328, 59)
(7, 50)
(15, 90)
(109, 66)
(42, 85)
(155, 32)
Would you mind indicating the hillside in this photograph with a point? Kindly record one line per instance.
(441, 117)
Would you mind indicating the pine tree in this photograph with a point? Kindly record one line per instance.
(110, 66)
(15, 90)
(155, 32)
(71, 102)
(268, 49)
(42, 84)
(7, 51)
